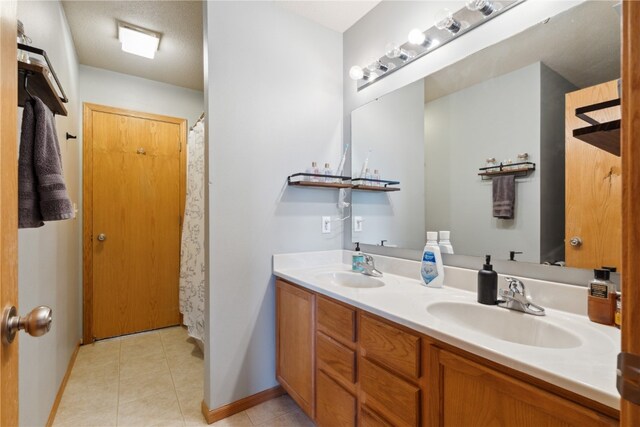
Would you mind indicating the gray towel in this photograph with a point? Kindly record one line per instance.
(42, 190)
(504, 196)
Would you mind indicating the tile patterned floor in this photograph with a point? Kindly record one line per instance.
(153, 379)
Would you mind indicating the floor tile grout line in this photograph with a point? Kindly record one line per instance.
(175, 391)
(270, 419)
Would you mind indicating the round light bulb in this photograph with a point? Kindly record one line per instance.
(446, 21)
(392, 51)
(486, 7)
(416, 37)
(356, 72)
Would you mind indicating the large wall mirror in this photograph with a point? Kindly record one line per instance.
(485, 149)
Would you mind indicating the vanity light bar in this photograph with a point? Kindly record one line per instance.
(447, 27)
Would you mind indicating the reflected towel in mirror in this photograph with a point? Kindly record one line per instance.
(504, 196)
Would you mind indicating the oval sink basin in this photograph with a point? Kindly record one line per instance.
(506, 325)
(351, 280)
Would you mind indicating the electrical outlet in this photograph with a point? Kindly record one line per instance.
(326, 224)
(357, 224)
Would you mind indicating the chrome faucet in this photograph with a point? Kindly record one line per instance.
(515, 298)
(369, 266)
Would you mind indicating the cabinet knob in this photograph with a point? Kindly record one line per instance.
(575, 241)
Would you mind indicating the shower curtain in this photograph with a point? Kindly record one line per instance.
(192, 250)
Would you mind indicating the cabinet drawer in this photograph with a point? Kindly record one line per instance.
(335, 407)
(337, 358)
(336, 320)
(370, 419)
(390, 346)
(395, 395)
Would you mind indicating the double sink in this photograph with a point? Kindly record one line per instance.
(492, 321)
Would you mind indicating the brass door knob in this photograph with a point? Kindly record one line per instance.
(36, 323)
(102, 237)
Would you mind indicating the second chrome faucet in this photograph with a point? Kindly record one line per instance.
(369, 266)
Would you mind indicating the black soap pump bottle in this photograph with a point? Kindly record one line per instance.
(487, 284)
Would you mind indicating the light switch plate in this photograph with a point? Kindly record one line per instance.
(326, 224)
(357, 224)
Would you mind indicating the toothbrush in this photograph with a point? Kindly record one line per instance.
(344, 157)
(364, 166)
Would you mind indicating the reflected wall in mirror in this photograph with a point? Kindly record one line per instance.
(556, 198)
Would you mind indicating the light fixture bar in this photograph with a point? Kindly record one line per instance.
(423, 42)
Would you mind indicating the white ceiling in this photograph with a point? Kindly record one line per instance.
(337, 15)
(581, 44)
(179, 59)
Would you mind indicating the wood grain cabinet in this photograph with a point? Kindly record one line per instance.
(295, 343)
(470, 394)
(346, 367)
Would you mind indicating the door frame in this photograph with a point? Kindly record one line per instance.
(9, 204)
(87, 197)
(630, 147)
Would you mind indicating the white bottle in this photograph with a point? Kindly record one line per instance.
(327, 171)
(445, 243)
(432, 270)
(376, 175)
(313, 170)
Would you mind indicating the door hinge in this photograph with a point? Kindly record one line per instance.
(628, 377)
(179, 146)
(180, 220)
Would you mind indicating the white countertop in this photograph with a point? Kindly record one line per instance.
(588, 369)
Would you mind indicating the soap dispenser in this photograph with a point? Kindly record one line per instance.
(356, 258)
(487, 283)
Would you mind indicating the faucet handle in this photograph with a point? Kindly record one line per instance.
(516, 286)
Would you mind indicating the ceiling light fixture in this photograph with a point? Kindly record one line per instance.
(448, 26)
(138, 41)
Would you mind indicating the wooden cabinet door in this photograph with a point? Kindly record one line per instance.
(593, 192)
(469, 394)
(295, 346)
(336, 407)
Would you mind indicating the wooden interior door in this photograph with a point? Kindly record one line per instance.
(133, 176)
(593, 186)
(9, 204)
(630, 138)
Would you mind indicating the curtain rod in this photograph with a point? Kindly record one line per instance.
(197, 121)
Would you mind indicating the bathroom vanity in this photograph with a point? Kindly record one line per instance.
(356, 350)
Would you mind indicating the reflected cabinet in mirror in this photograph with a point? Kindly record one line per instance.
(514, 149)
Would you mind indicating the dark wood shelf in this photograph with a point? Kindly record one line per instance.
(374, 188)
(605, 136)
(39, 85)
(521, 169)
(319, 184)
